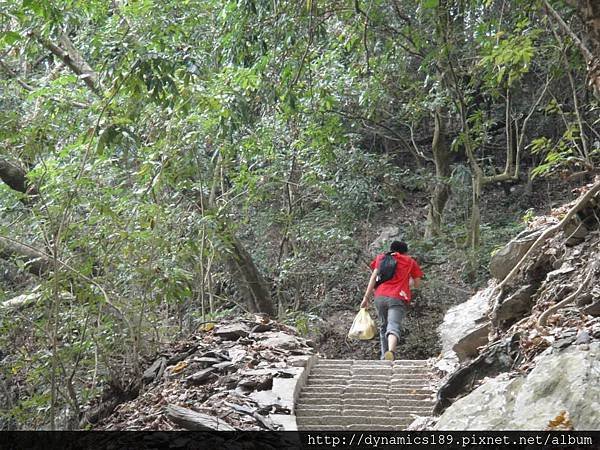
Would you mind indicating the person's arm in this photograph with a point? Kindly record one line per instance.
(416, 282)
(370, 288)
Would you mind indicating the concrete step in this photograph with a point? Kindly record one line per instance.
(382, 406)
(370, 372)
(359, 427)
(362, 406)
(378, 368)
(307, 397)
(352, 420)
(364, 382)
(371, 362)
(373, 379)
(339, 389)
(343, 410)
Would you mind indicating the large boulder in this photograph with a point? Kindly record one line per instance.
(503, 261)
(463, 324)
(515, 306)
(567, 380)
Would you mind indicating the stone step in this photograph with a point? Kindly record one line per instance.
(372, 363)
(371, 376)
(361, 405)
(352, 420)
(343, 410)
(340, 389)
(386, 366)
(307, 397)
(365, 406)
(359, 427)
(363, 382)
(369, 369)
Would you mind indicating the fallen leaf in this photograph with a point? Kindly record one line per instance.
(561, 422)
(206, 327)
(179, 367)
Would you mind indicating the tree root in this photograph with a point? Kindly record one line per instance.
(550, 232)
(543, 319)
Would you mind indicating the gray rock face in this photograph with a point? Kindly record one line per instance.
(506, 258)
(463, 320)
(467, 346)
(567, 380)
(516, 306)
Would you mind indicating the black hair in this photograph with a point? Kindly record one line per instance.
(400, 247)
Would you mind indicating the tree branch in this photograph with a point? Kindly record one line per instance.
(70, 56)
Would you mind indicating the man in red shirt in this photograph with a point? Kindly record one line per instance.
(393, 296)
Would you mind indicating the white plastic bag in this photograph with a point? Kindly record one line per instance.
(363, 326)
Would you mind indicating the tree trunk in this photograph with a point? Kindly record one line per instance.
(248, 279)
(474, 232)
(441, 158)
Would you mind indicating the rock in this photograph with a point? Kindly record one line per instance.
(265, 399)
(256, 383)
(583, 337)
(200, 377)
(497, 358)
(461, 320)
(515, 306)
(503, 261)
(593, 309)
(564, 342)
(298, 360)
(262, 327)
(467, 346)
(561, 381)
(232, 332)
(155, 370)
(575, 232)
(279, 341)
(178, 357)
(237, 355)
(448, 362)
(225, 366)
(194, 421)
(205, 362)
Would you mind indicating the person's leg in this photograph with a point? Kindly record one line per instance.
(395, 315)
(392, 341)
(381, 307)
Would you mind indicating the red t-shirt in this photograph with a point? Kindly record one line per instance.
(398, 286)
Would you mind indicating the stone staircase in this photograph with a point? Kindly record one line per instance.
(364, 395)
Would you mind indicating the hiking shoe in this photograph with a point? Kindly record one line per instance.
(389, 356)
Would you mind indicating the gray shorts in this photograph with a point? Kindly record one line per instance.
(391, 313)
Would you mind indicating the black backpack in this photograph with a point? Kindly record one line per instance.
(387, 268)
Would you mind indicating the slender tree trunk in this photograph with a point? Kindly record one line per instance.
(441, 192)
(474, 231)
(248, 279)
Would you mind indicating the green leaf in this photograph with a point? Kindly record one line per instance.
(10, 37)
(430, 4)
